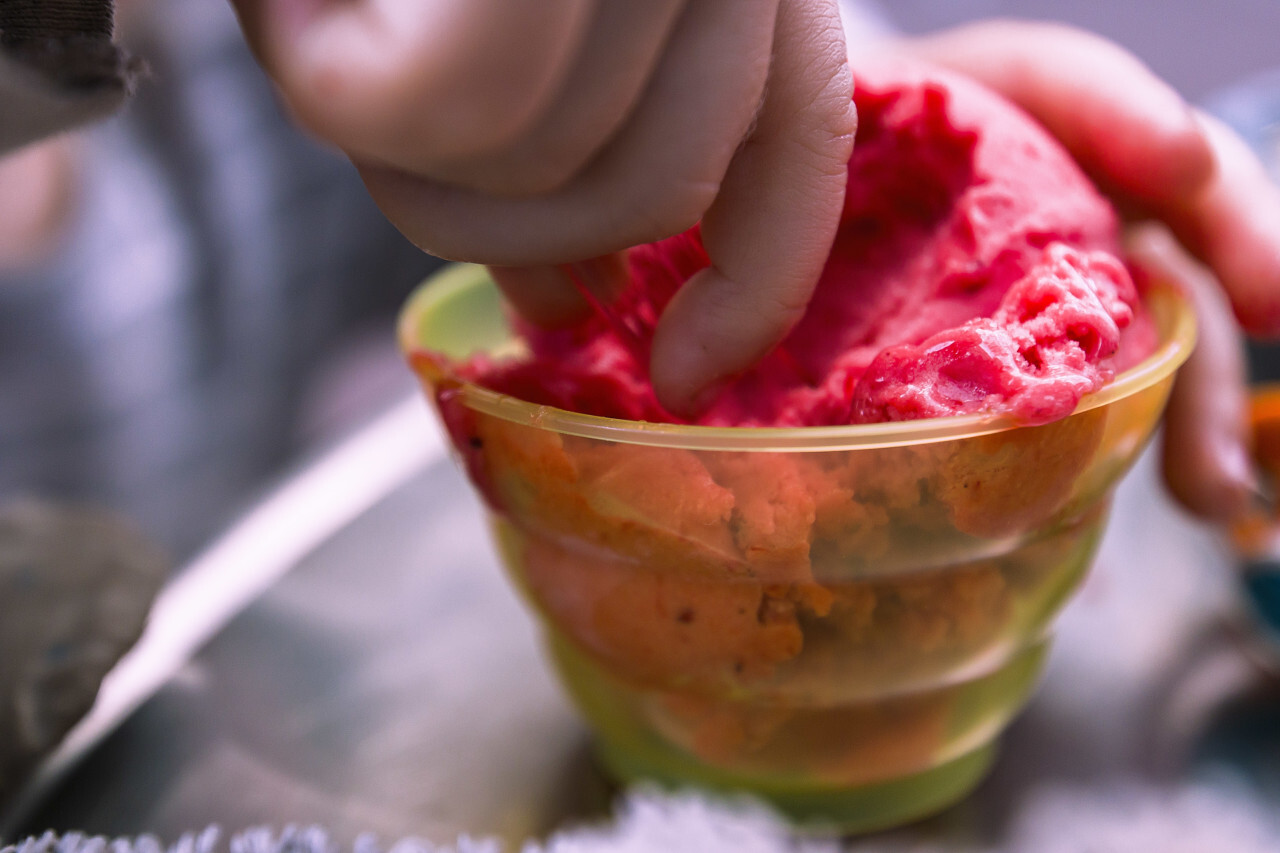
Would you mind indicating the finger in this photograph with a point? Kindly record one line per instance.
(1233, 224)
(655, 179)
(541, 295)
(771, 228)
(1206, 455)
(621, 50)
(414, 83)
(1129, 129)
(547, 297)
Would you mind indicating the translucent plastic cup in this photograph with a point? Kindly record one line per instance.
(840, 620)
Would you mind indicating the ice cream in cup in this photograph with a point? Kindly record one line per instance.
(836, 588)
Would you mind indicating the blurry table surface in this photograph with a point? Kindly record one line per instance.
(386, 679)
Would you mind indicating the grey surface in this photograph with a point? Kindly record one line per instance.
(75, 588)
(392, 683)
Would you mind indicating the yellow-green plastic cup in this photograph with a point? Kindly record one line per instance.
(840, 620)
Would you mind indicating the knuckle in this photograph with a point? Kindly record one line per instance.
(541, 177)
(789, 303)
(670, 207)
(453, 117)
(543, 168)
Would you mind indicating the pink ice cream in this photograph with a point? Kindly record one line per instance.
(975, 271)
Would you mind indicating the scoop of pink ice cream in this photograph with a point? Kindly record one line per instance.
(975, 270)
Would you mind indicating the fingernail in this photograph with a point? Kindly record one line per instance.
(707, 397)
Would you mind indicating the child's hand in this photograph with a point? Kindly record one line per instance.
(536, 133)
(1160, 160)
(529, 135)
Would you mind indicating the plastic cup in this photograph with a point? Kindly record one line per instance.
(840, 620)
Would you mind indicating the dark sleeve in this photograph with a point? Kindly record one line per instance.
(58, 67)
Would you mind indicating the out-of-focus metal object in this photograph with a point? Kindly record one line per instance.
(75, 587)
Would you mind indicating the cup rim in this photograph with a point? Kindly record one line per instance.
(1166, 299)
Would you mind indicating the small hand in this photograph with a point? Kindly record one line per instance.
(527, 135)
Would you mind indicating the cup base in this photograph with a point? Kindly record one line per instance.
(815, 809)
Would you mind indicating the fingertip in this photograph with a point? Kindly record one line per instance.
(1209, 474)
(676, 371)
(543, 295)
(713, 329)
(685, 379)
(1206, 458)
(683, 364)
(682, 387)
(1200, 455)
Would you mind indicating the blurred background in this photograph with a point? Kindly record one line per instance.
(1199, 47)
(213, 296)
(205, 297)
